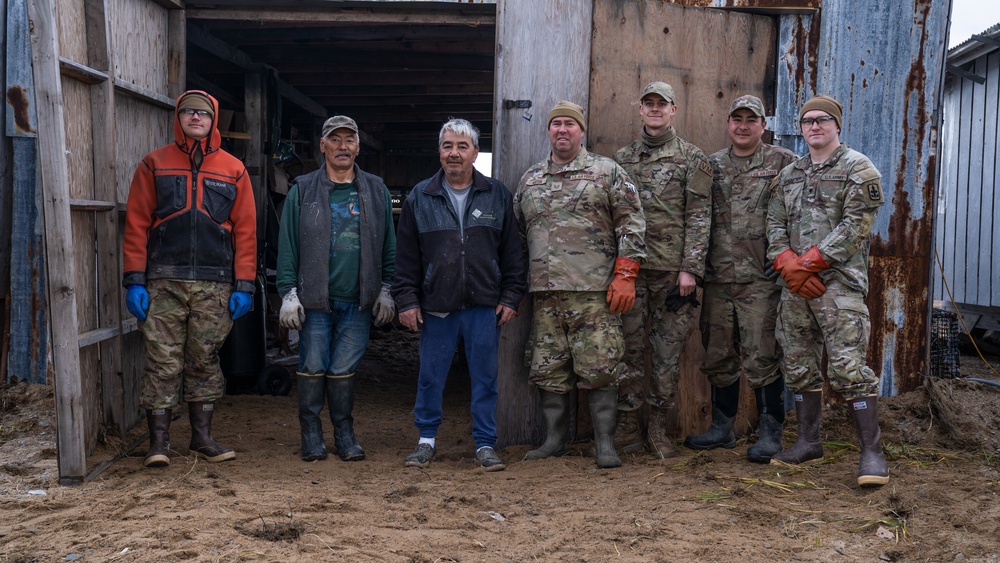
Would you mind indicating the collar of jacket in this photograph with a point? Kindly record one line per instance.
(435, 185)
(806, 161)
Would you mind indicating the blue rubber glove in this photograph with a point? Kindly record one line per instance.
(240, 303)
(137, 301)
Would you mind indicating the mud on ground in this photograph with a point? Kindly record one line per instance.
(940, 505)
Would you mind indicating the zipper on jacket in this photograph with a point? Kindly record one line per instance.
(193, 217)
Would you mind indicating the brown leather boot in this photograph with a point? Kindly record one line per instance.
(808, 446)
(873, 471)
(657, 440)
(158, 421)
(202, 444)
(628, 434)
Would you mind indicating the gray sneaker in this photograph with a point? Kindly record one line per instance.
(421, 457)
(489, 460)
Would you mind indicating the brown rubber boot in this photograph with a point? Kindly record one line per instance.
(808, 446)
(603, 410)
(657, 440)
(202, 444)
(159, 438)
(873, 471)
(628, 435)
(555, 409)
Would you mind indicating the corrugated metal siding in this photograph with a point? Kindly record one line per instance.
(968, 203)
(884, 62)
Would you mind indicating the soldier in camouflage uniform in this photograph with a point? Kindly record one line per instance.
(819, 225)
(740, 300)
(582, 221)
(675, 183)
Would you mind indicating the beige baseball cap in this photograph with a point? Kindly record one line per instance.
(662, 88)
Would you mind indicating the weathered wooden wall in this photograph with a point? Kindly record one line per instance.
(967, 230)
(543, 55)
(709, 57)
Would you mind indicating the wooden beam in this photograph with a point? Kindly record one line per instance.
(255, 112)
(344, 17)
(143, 94)
(91, 205)
(298, 98)
(176, 53)
(171, 4)
(962, 73)
(61, 274)
(99, 335)
(80, 72)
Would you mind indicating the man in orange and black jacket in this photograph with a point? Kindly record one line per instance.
(189, 268)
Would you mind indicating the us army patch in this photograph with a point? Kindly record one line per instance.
(631, 194)
(873, 193)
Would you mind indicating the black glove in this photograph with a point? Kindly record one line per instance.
(769, 271)
(674, 301)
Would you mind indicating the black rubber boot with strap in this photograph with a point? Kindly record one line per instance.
(873, 471)
(311, 391)
(808, 446)
(725, 402)
(771, 421)
(603, 412)
(555, 409)
(158, 421)
(202, 444)
(340, 394)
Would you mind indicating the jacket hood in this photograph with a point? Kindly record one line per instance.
(212, 142)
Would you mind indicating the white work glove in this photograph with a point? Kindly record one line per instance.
(384, 309)
(292, 313)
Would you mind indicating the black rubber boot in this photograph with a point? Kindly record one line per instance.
(340, 394)
(873, 471)
(603, 412)
(311, 390)
(555, 409)
(158, 421)
(771, 417)
(808, 446)
(725, 402)
(202, 444)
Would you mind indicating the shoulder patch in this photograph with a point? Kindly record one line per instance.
(873, 192)
(705, 167)
(865, 175)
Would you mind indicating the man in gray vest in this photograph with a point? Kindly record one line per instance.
(336, 261)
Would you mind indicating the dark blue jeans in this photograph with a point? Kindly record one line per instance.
(333, 343)
(438, 340)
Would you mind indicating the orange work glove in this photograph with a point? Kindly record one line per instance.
(812, 288)
(781, 260)
(621, 292)
(796, 273)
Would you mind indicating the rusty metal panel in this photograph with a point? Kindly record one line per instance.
(757, 6)
(20, 115)
(885, 63)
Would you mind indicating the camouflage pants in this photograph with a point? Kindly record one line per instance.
(185, 326)
(737, 330)
(839, 320)
(575, 339)
(667, 333)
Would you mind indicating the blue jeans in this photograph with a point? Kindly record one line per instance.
(438, 340)
(333, 343)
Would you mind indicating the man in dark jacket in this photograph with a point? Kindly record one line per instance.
(336, 253)
(190, 252)
(460, 272)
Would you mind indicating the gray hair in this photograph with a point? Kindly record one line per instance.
(460, 126)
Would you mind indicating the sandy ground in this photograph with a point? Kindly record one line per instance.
(941, 504)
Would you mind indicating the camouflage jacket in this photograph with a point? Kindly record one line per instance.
(832, 206)
(576, 219)
(737, 250)
(675, 187)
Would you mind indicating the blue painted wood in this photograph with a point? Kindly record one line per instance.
(945, 227)
(988, 190)
(20, 119)
(974, 200)
(27, 358)
(957, 264)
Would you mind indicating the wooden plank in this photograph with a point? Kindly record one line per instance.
(143, 57)
(108, 247)
(98, 336)
(176, 53)
(347, 17)
(524, 30)
(944, 224)
(58, 244)
(144, 94)
(91, 205)
(974, 216)
(956, 264)
(236, 135)
(139, 128)
(80, 72)
(255, 111)
(72, 34)
(709, 57)
(989, 262)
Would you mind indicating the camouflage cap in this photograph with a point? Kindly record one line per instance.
(339, 122)
(662, 88)
(749, 102)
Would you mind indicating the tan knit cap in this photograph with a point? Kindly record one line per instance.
(568, 109)
(196, 100)
(824, 103)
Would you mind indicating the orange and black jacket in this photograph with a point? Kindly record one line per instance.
(189, 222)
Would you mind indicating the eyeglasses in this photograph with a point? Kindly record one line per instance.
(198, 112)
(807, 122)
